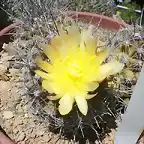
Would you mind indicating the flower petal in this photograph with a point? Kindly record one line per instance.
(62, 33)
(46, 66)
(54, 97)
(66, 42)
(74, 34)
(108, 69)
(70, 41)
(43, 74)
(102, 55)
(92, 86)
(66, 104)
(85, 34)
(51, 52)
(91, 46)
(57, 41)
(47, 86)
(90, 96)
(82, 104)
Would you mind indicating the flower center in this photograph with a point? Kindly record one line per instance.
(74, 69)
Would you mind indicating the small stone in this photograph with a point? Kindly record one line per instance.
(40, 132)
(19, 108)
(4, 46)
(17, 121)
(26, 115)
(21, 137)
(3, 69)
(20, 128)
(15, 130)
(33, 135)
(8, 115)
(8, 123)
(29, 131)
(46, 138)
(21, 142)
(25, 108)
(13, 72)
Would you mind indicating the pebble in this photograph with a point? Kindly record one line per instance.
(19, 108)
(3, 69)
(8, 114)
(25, 108)
(15, 130)
(32, 135)
(22, 142)
(29, 131)
(39, 132)
(13, 72)
(17, 121)
(21, 137)
(20, 128)
(46, 138)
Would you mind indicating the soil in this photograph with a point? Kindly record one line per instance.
(17, 122)
(15, 119)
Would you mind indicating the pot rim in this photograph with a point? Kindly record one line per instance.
(98, 20)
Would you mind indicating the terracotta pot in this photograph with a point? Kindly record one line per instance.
(92, 18)
(4, 37)
(4, 139)
(97, 19)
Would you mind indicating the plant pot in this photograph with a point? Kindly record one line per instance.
(97, 20)
(4, 37)
(92, 18)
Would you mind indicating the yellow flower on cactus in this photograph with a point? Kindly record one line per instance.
(75, 68)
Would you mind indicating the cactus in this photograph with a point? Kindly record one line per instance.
(40, 26)
(29, 8)
(131, 53)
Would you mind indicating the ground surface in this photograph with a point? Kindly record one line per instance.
(17, 122)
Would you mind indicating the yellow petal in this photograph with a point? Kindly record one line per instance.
(47, 86)
(92, 86)
(43, 74)
(102, 55)
(108, 69)
(46, 66)
(50, 52)
(56, 42)
(91, 46)
(71, 40)
(74, 34)
(54, 97)
(66, 104)
(62, 33)
(85, 35)
(90, 96)
(82, 104)
(64, 42)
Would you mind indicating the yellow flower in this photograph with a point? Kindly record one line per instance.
(75, 67)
